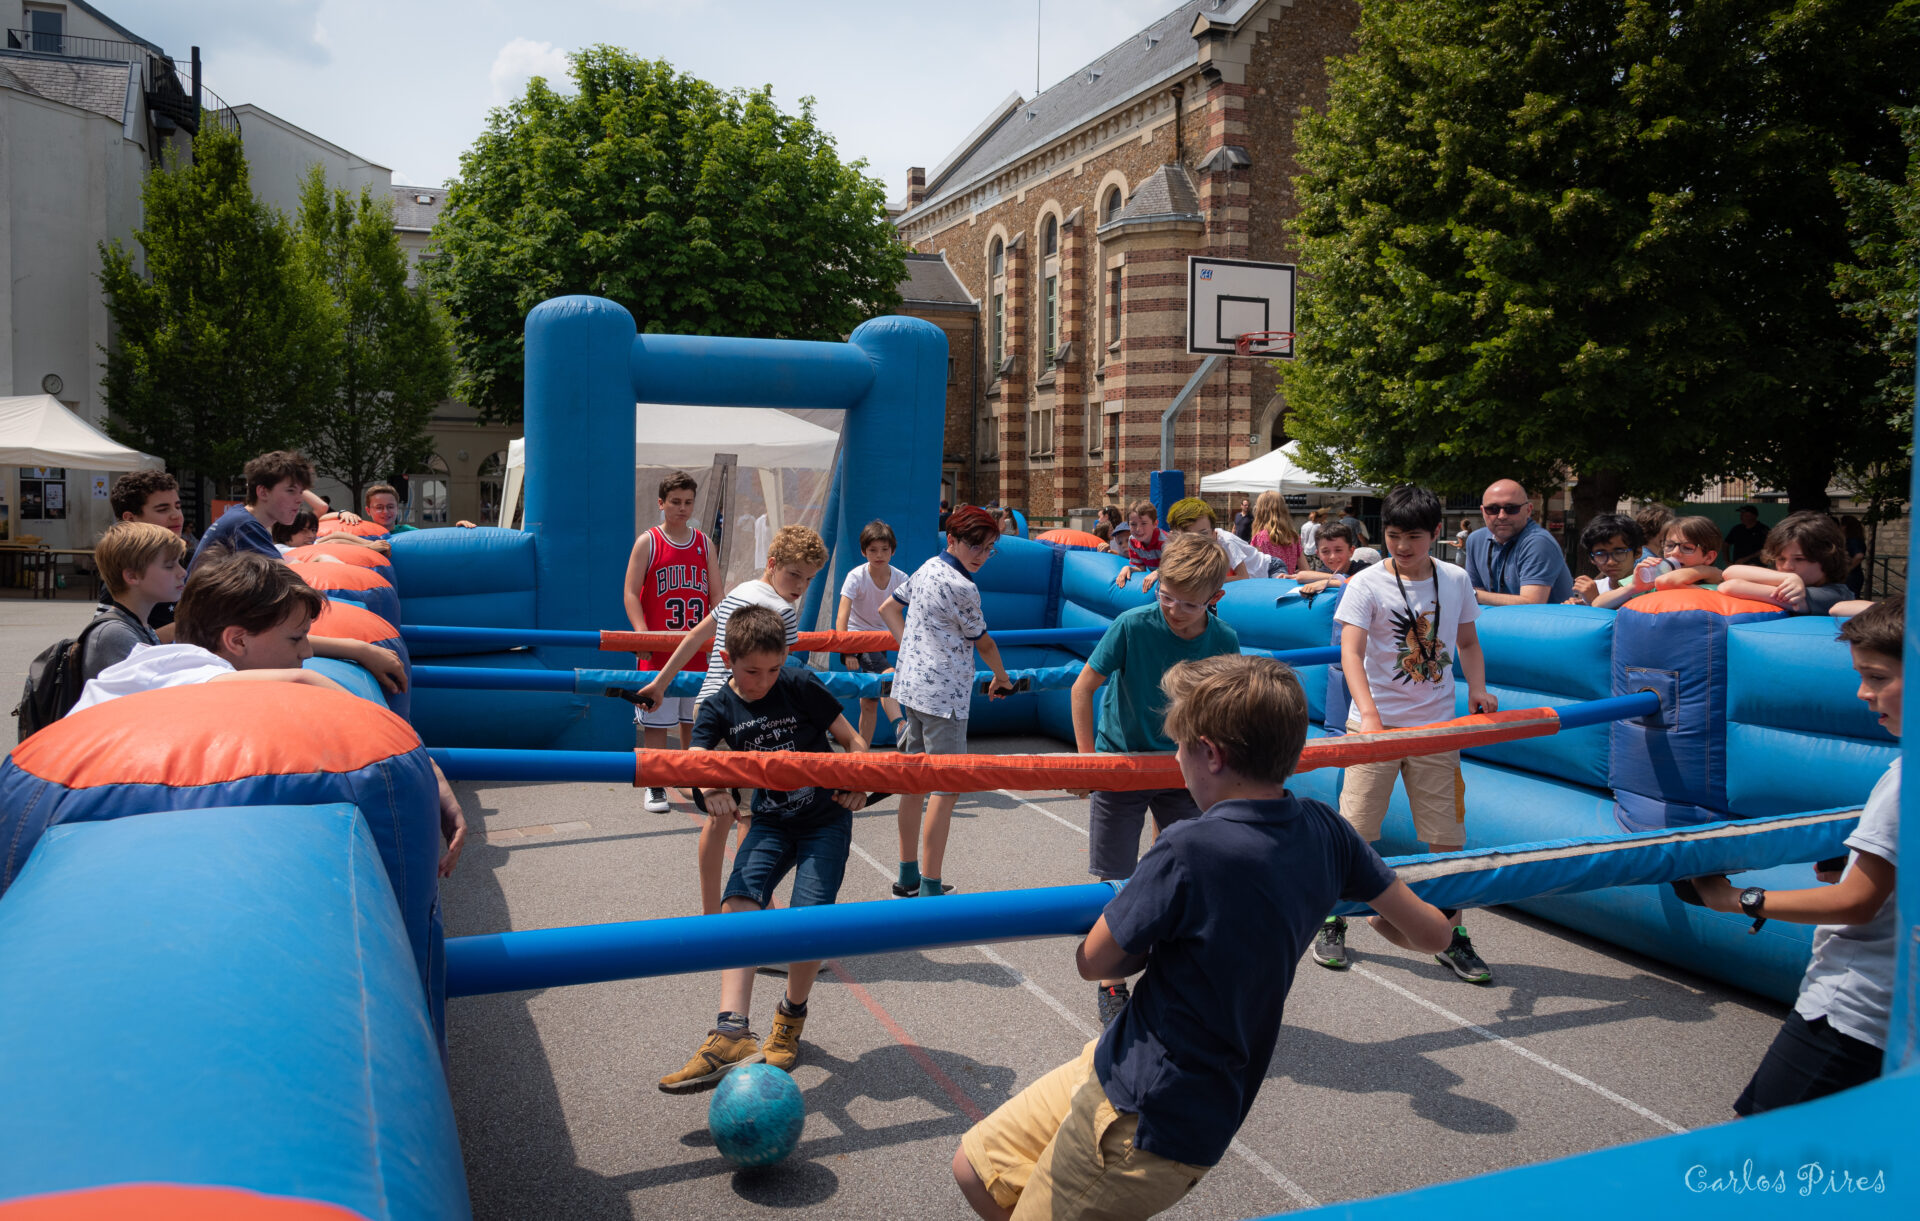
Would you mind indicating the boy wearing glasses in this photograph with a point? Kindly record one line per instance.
(1140, 646)
(1690, 547)
(936, 619)
(1612, 541)
(1513, 558)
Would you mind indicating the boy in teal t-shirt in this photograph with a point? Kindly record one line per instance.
(1142, 645)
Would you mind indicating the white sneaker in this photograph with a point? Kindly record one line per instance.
(657, 801)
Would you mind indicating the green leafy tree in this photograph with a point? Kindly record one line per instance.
(223, 342)
(701, 210)
(1544, 237)
(391, 359)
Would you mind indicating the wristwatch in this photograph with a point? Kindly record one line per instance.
(1753, 903)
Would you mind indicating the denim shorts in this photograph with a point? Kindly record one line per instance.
(813, 846)
(870, 663)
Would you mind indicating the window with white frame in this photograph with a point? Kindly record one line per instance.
(997, 293)
(1040, 432)
(1049, 293)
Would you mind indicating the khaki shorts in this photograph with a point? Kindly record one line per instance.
(1436, 793)
(1059, 1150)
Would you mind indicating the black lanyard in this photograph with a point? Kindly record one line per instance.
(1427, 650)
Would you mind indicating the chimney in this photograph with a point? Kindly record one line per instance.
(916, 186)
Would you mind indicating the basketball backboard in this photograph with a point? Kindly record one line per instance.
(1228, 298)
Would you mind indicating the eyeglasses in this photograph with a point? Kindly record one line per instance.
(1497, 510)
(979, 548)
(1679, 545)
(1618, 553)
(1191, 608)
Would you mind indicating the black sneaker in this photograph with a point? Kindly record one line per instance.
(1465, 963)
(1330, 944)
(1112, 1001)
(913, 892)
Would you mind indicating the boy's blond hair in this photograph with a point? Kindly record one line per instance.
(132, 546)
(796, 545)
(1196, 563)
(1251, 708)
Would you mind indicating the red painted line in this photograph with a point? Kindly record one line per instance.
(959, 1096)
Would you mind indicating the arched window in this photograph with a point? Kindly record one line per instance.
(493, 475)
(1111, 209)
(428, 505)
(1050, 243)
(997, 258)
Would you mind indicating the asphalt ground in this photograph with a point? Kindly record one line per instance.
(1389, 1076)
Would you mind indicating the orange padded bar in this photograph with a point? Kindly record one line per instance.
(890, 773)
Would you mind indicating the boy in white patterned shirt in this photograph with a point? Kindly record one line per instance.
(937, 620)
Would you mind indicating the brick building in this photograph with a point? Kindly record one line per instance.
(1069, 219)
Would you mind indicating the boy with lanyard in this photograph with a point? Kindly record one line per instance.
(1836, 1036)
(1217, 915)
(1402, 623)
(668, 590)
(1139, 647)
(764, 705)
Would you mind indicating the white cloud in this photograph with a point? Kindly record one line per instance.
(520, 61)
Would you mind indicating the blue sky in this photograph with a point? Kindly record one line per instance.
(408, 83)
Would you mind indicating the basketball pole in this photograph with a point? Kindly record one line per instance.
(1169, 484)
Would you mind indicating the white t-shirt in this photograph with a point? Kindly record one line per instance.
(935, 672)
(1410, 686)
(1240, 551)
(1850, 980)
(752, 593)
(150, 667)
(866, 597)
(1309, 537)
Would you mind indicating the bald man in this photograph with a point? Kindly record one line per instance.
(1513, 559)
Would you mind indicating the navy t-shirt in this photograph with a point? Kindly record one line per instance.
(1532, 558)
(1223, 905)
(794, 714)
(236, 530)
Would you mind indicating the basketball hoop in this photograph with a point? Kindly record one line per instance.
(1277, 343)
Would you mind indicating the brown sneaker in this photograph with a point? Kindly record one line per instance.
(783, 1045)
(717, 1057)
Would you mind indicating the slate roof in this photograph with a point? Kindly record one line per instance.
(1167, 194)
(410, 213)
(99, 88)
(931, 282)
(1162, 50)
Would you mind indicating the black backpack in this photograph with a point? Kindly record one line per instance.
(53, 681)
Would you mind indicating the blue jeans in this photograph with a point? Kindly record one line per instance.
(812, 845)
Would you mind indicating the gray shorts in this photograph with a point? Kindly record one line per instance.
(922, 733)
(1114, 821)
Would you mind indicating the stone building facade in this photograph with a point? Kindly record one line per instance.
(1069, 218)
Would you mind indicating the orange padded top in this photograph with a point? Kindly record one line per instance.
(210, 733)
(359, 557)
(1074, 538)
(1692, 597)
(340, 576)
(170, 1202)
(351, 621)
(364, 529)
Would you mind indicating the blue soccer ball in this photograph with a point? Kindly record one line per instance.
(756, 1115)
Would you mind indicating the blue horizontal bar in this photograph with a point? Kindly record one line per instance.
(476, 763)
(596, 953)
(1325, 655)
(1615, 708)
(498, 637)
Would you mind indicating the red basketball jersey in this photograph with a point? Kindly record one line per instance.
(676, 593)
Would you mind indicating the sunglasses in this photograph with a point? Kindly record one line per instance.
(1497, 510)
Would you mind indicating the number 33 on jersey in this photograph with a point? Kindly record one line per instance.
(676, 592)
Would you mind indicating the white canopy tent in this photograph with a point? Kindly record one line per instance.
(674, 436)
(38, 430)
(1279, 471)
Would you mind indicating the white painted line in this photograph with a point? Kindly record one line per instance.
(1087, 1030)
(1071, 826)
(1523, 1052)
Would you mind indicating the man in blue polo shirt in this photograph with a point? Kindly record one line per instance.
(1513, 558)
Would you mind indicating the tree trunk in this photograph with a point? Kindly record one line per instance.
(1594, 493)
(1807, 491)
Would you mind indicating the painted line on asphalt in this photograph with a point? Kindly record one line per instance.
(1087, 1030)
(967, 1105)
(1071, 826)
(1524, 1053)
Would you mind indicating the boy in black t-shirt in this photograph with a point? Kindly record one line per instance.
(764, 706)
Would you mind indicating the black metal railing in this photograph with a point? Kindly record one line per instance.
(43, 42)
(169, 90)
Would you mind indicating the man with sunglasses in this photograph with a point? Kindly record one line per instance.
(1513, 559)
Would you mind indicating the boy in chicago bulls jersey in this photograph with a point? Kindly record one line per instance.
(668, 591)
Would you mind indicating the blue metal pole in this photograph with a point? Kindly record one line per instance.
(475, 763)
(1325, 655)
(596, 953)
(1615, 708)
(498, 637)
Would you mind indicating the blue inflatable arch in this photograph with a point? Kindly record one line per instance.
(587, 366)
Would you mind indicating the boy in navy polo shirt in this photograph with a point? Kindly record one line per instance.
(1218, 913)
